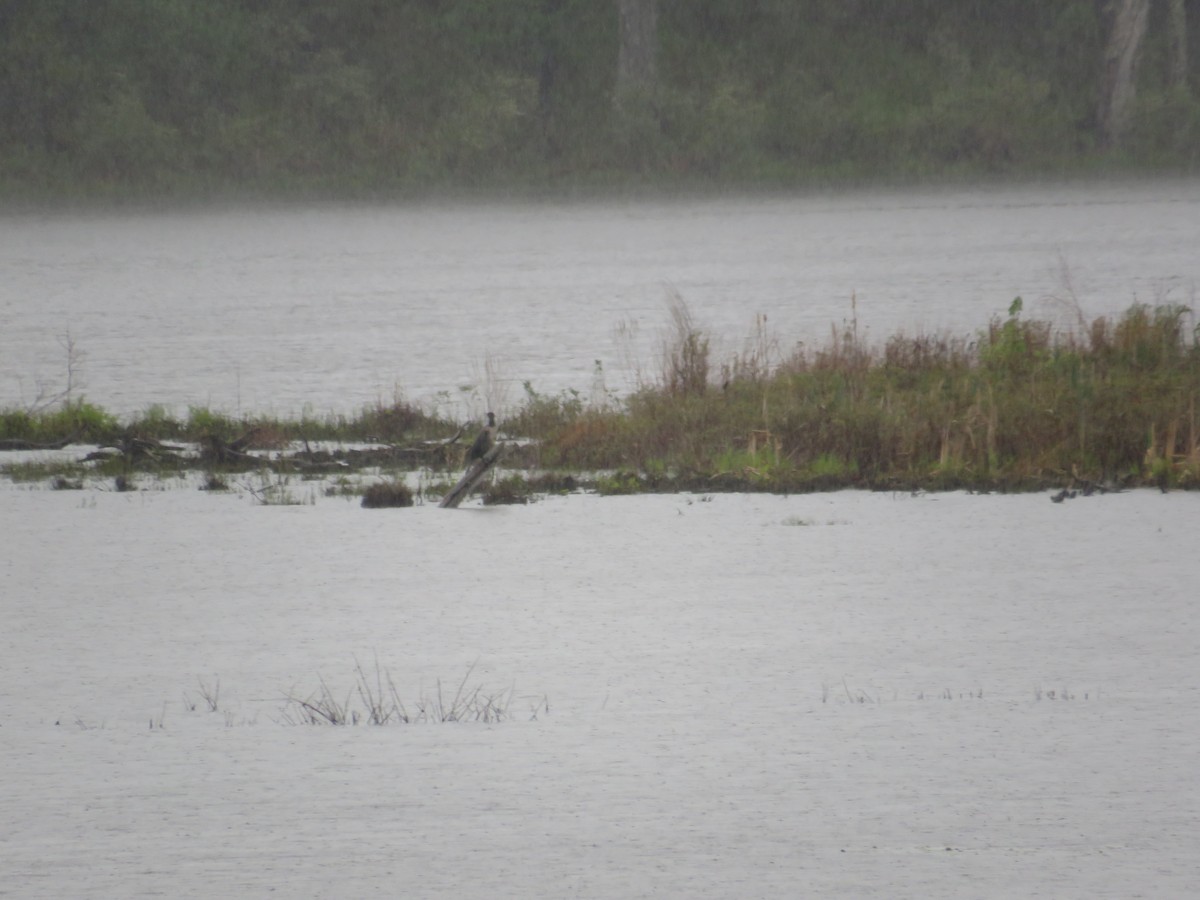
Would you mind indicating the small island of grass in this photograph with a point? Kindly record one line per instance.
(1022, 405)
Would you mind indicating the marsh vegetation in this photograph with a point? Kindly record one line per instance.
(1022, 404)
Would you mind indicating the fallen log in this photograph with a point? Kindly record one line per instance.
(135, 450)
(472, 477)
(215, 449)
(19, 444)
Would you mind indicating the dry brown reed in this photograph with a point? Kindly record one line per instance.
(1022, 403)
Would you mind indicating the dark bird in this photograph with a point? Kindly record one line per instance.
(485, 441)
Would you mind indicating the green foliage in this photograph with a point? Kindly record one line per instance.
(762, 464)
(1166, 128)
(190, 95)
(21, 472)
(392, 422)
(621, 482)
(1014, 346)
(119, 141)
(204, 423)
(829, 465)
(156, 423)
(1009, 119)
(77, 421)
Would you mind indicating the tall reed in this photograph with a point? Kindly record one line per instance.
(1019, 403)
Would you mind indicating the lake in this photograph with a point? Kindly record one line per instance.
(837, 695)
(834, 695)
(330, 307)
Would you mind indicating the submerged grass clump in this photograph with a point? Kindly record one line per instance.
(386, 494)
(510, 491)
(374, 700)
(1020, 405)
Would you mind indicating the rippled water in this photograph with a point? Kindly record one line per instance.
(844, 695)
(840, 695)
(329, 307)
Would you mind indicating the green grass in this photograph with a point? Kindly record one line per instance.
(76, 421)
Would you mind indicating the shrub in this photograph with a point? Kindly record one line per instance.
(387, 494)
(508, 491)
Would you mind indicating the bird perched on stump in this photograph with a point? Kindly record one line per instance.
(484, 442)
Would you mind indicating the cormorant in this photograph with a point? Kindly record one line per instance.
(484, 442)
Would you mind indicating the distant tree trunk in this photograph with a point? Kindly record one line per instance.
(548, 66)
(1177, 55)
(1127, 27)
(637, 53)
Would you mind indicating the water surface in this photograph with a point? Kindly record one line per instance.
(841, 695)
(330, 307)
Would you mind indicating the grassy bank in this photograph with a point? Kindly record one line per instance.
(1021, 405)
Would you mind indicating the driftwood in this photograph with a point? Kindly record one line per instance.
(472, 477)
(18, 444)
(215, 449)
(430, 453)
(135, 449)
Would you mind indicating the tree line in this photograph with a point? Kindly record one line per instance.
(360, 95)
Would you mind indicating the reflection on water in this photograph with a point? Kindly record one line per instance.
(327, 308)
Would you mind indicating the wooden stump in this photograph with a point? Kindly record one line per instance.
(472, 477)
